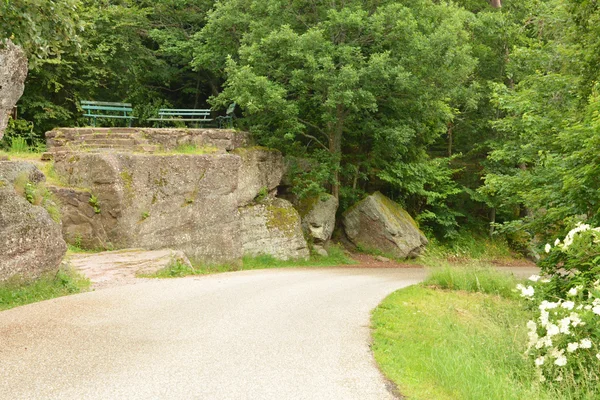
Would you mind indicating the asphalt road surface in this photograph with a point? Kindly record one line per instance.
(268, 334)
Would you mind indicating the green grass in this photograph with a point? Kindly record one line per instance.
(336, 257)
(467, 247)
(14, 293)
(436, 344)
(473, 279)
(189, 149)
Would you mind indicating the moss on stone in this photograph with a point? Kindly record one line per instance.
(127, 179)
(283, 218)
(394, 210)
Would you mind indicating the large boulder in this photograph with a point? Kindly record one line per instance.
(183, 202)
(378, 223)
(318, 216)
(30, 240)
(13, 71)
(272, 228)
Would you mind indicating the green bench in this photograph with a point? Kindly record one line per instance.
(102, 109)
(197, 116)
(226, 121)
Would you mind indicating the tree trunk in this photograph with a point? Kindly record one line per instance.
(450, 128)
(496, 3)
(335, 148)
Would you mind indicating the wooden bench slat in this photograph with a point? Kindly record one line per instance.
(186, 109)
(102, 108)
(181, 119)
(104, 103)
(109, 116)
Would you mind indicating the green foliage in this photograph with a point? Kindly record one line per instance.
(16, 292)
(469, 279)
(41, 27)
(436, 344)
(95, 204)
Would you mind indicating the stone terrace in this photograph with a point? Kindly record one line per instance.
(145, 140)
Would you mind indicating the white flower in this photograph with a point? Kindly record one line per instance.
(596, 310)
(558, 378)
(564, 325)
(598, 356)
(571, 347)
(526, 291)
(561, 361)
(572, 292)
(547, 248)
(544, 317)
(531, 325)
(547, 305)
(568, 305)
(588, 307)
(557, 242)
(585, 344)
(575, 320)
(534, 278)
(539, 361)
(552, 330)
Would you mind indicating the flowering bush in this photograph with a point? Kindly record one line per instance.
(564, 337)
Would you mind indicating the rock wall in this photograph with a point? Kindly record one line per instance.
(30, 240)
(143, 140)
(13, 71)
(185, 202)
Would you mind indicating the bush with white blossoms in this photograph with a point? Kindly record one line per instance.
(564, 337)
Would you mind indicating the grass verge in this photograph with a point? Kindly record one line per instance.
(336, 257)
(436, 344)
(14, 293)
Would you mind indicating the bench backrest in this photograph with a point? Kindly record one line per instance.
(105, 106)
(183, 112)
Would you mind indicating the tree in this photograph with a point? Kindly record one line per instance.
(369, 83)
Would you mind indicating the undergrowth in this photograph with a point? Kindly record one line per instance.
(16, 292)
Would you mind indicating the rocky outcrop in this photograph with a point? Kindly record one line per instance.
(143, 140)
(378, 223)
(30, 241)
(81, 220)
(262, 169)
(13, 71)
(184, 202)
(318, 217)
(14, 170)
(272, 228)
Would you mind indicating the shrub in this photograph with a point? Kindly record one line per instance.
(564, 336)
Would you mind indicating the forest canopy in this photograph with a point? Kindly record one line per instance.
(471, 114)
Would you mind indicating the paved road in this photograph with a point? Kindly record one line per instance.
(271, 334)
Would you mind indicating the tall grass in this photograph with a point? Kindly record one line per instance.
(473, 279)
(454, 345)
(467, 247)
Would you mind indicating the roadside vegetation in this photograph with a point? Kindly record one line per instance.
(336, 257)
(476, 333)
(66, 281)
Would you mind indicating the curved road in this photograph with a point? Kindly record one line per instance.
(269, 334)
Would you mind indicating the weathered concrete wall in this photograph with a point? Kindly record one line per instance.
(13, 71)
